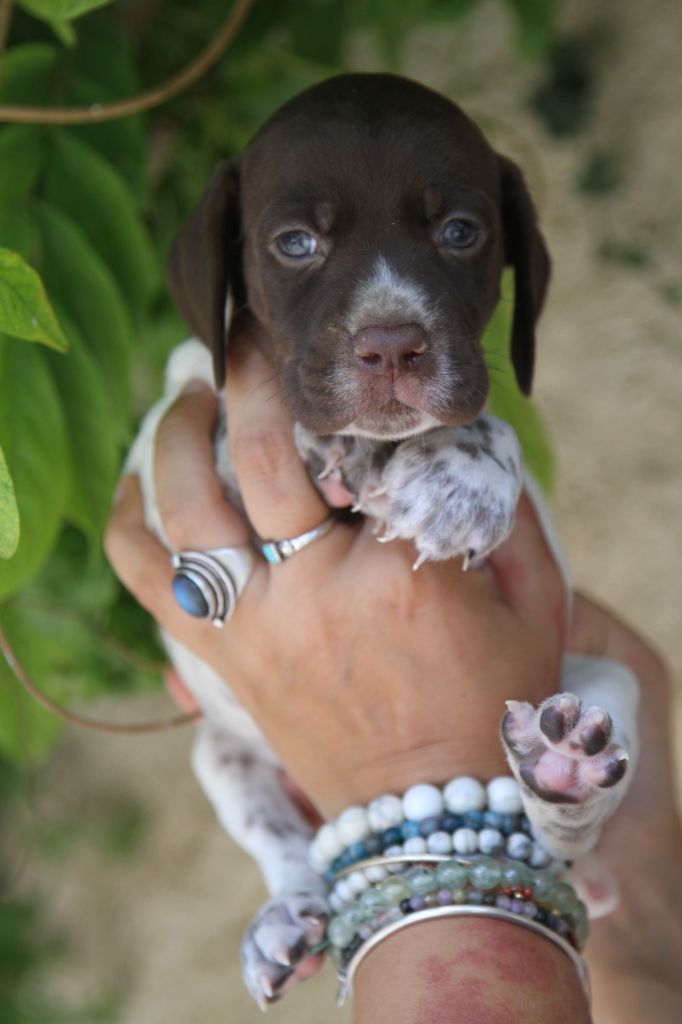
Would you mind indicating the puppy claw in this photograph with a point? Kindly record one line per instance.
(423, 557)
(468, 559)
(266, 985)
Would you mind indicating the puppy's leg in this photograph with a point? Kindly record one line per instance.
(574, 756)
(252, 806)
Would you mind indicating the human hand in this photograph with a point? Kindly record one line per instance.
(365, 676)
(635, 953)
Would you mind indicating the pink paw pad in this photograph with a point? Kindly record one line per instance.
(563, 751)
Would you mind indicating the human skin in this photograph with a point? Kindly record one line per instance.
(346, 614)
(443, 650)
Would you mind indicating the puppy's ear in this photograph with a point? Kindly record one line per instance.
(204, 260)
(526, 252)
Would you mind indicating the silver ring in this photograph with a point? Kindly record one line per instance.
(206, 584)
(276, 551)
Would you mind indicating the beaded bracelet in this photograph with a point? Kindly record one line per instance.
(464, 804)
(423, 855)
(485, 832)
(509, 886)
(508, 872)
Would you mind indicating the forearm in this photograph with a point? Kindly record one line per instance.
(467, 969)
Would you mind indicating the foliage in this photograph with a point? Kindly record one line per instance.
(564, 99)
(506, 401)
(91, 209)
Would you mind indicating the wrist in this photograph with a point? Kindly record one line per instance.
(437, 761)
(487, 970)
(462, 850)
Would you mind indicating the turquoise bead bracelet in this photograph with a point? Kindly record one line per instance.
(485, 832)
(464, 816)
(509, 886)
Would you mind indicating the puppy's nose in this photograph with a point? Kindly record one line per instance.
(392, 349)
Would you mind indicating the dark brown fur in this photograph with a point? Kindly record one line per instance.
(373, 165)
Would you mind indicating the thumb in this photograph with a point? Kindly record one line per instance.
(598, 632)
(525, 570)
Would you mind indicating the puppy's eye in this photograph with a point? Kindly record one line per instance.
(459, 234)
(296, 244)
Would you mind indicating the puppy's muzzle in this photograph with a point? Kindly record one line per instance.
(390, 350)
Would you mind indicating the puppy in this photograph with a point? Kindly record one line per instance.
(366, 227)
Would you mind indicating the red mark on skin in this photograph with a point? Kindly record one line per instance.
(501, 974)
(506, 953)
(464, 1001)
(437, 970)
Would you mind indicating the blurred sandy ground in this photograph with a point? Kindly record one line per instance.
(163, 929)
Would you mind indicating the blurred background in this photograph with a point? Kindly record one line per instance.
(120, 899)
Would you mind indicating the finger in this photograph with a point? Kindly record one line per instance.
(178, 691)
(525, 570)
(591, 629)
(598, 632)
(189, 495)
(279, 498)
(142, 564)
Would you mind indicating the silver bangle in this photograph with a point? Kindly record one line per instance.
(346, 977)
(402, 858)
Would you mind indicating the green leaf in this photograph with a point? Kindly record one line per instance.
(27, 730)
(61, 10)
(84, 287)
(105, 67)
(64, 31)
(16, 230)
(9, 513)
(27, 73)
(87, 188)
(33, 437)
(506, 401)
(94, 451)
(19, 160)
(25, 311)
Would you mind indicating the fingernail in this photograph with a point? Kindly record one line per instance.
(122, 489)
(194, 386)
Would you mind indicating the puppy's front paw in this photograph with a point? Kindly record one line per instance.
(277, 948)
(563, 751)
(454, 491)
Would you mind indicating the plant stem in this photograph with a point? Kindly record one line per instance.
(97, 112)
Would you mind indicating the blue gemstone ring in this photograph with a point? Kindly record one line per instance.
(206, 584)
(276, 551)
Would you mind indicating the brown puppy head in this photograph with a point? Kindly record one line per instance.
(366, 226)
